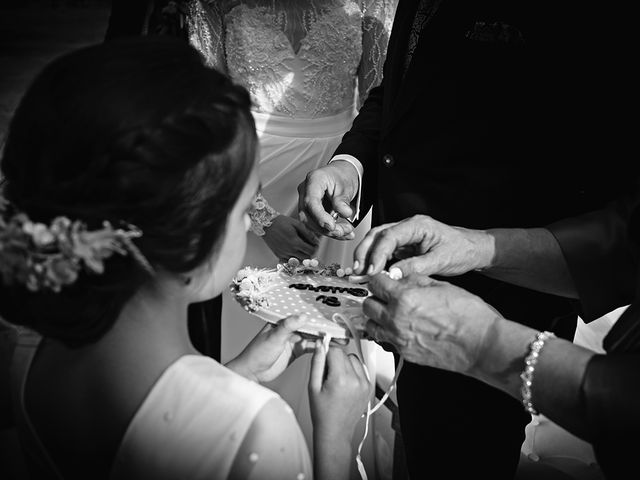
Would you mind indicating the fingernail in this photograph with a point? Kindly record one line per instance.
(358, 278)
(370, 270)
(356, 265)
(395, 273)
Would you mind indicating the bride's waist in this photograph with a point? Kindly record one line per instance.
(288, 126)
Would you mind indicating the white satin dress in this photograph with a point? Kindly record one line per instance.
(191, 424)
(308, 65)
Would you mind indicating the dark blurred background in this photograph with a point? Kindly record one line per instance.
(33, 32)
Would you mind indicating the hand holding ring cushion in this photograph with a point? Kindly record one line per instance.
(331, 302)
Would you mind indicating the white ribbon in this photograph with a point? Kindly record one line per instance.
(339, 318)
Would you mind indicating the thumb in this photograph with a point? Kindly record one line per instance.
(289, 325)
(342, 205)
(422, 265)
(318, 362)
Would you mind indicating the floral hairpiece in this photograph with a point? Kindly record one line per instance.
(48, 257)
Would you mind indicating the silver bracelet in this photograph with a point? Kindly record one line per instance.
(530, 362)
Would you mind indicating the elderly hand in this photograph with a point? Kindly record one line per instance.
(429, 322)
(288, 237)
(426, 247)
(272, 350)
(327, 190)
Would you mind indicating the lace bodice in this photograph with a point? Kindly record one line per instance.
(299, 58)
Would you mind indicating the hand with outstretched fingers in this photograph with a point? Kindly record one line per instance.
(422, 245)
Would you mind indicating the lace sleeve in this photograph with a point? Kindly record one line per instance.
(205, 27)
(261, 215)
(376, 27)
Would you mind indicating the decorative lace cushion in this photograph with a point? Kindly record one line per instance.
(332, 303)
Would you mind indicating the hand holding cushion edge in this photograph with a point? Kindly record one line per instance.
(430, 322)
(269, 353)
(339, 390)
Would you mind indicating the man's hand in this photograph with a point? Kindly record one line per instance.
(329, 190)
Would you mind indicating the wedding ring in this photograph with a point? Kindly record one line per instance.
(335, 215)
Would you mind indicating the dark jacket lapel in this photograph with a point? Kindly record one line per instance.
(402, 91)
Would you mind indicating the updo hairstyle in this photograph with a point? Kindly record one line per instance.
(137, 131)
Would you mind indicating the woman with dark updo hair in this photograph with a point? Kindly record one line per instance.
(129, 170)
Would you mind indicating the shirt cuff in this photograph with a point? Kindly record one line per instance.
(358, 166)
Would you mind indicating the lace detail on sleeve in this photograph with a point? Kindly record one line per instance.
(205, 26)
(376, 27)
(261, 215)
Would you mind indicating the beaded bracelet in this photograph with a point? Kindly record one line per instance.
(530, 362)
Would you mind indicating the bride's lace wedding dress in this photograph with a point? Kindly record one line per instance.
(308, 65)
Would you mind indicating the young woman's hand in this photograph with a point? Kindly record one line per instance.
(339, 390)
(271, 351)
(288, 237)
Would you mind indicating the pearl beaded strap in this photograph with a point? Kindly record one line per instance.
(530, 362)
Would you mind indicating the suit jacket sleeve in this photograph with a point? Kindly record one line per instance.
(602, 255)
(362, 140)
(611, 395)
(601, 249)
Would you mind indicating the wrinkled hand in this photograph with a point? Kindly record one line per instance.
(272, 350)
(288, 237)
(339, 391)
(429, 322)
(326, 190)
(425, 246)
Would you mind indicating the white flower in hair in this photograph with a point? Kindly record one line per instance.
(48, 257)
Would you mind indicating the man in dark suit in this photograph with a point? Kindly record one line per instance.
(478, 123)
